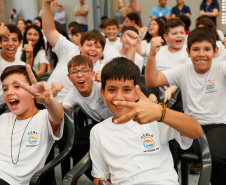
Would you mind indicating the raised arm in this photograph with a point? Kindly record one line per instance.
(152, 77)
(49, 29)
(42, 93)
(145, 111)
(133, 39)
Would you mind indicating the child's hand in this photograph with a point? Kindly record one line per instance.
(28, 48)
(224, 42)
(98, 76)
(156, 43)
(167, 95)
(40, 90)
(153, 98)
(143, 111)
(56, 88)
(131, 37)
(4, 31)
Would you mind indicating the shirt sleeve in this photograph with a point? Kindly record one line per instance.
(202, 6)
(173, 75)
(99, 167)
(70, 98)
(43, 57)
(153, 13)
(64, 47)
(168, 133)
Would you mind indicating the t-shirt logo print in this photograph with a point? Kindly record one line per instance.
(210, 86)
(148, 142)
(33, 139)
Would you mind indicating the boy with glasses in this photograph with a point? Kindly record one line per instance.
(86, 92)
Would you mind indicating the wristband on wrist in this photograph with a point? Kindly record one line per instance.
(163, 112)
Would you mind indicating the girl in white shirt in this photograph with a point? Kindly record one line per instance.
(34, 34)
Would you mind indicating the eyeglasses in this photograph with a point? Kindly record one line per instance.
(74, 72)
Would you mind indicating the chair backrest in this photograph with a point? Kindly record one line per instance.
(44, 77)
(75, 173)
(158, 92)
(200, 153)
(67, 140)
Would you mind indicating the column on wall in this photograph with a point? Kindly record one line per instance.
(2, 11)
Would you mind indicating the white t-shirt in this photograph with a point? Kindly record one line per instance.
(39, 59)
(202, 94)
(37, 141)
(133, 153)
(65, 51)
(83, 18)
(221, 49)
(110, 54)
(166, 60)
(93, 106)
(112, 45)
(3, 65)
(145, 47)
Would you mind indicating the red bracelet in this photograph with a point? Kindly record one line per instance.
(163, 112)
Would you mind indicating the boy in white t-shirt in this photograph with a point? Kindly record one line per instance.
(172, 54)
(92, 45)
(202, 85)
(126, 152)
(10, 41)
(111, 27)
(26, 133)
(86, 94)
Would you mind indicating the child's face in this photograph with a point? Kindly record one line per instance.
(21, 25)
(175, 38)
(112, 32)
(128, 22)
(201, 54)
(82, 80)
(33, 35)
(153, 28)
(9, 47)
(18, 100)
(76, 38)
(37, 23)
(92, 50)
(119, 90)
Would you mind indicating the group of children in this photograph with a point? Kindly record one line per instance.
(131, 145)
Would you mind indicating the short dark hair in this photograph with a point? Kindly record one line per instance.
(16, 69)
(201, 34)
(172, 23)
(72, 24)
(111, 22)
(13, 29)
(77, 29)
(186, 20)
(28, 21)
(80, 60)
(93, 35)
(133, 17)
(120, 68)
(125, 28)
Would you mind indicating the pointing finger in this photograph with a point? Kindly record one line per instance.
(30, 74)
